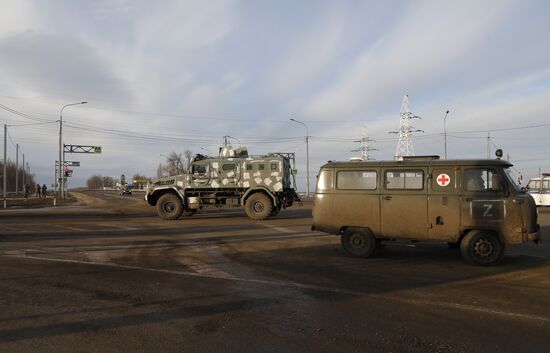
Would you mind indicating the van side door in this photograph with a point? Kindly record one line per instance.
(403, 203)
(444, 204)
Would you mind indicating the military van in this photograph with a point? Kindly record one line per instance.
(471, 204)
(262, 184)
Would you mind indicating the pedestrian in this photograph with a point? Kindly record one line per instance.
(38, 194)
(44, 191)
(27, 189)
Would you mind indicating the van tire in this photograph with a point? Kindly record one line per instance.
(169, 207)
(482, 248)
(358, 242)
(258, 206)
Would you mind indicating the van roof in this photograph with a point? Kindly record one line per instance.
(420, 163)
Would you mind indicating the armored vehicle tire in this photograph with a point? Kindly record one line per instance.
(258, 206)
(169, 207)
(358, 242)
(482, 248)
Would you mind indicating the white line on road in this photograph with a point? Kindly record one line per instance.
(446, 305)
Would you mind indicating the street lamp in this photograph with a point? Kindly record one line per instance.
(61, 179)
(307, 154)
(445, 131)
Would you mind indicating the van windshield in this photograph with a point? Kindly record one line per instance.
(512, 180)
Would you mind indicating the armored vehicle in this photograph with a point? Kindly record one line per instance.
(471, 204)
(262, 184)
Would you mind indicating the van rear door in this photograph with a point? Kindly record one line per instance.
(403, 203)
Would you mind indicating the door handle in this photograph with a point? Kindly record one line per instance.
(387, 198)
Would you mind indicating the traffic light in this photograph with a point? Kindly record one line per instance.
(68, 172)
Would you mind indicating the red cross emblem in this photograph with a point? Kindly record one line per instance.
(443, 180)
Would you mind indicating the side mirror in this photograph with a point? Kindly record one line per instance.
(524, 189)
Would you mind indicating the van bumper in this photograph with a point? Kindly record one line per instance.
(325, 229)
(535, 236)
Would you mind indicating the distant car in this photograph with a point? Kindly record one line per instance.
(126, 191)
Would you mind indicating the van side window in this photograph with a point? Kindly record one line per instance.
(405, 179)
(478, 179)
(356, 180)
(325, 180)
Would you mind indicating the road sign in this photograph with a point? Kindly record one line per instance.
(82, 149)
(68, 164)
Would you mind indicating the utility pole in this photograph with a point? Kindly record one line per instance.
(365, 149)
(307, 154)
(488, 145)
(445, 131)
(16, 169)
(24, 173)
(61, 149)
(404, 145)
(5, 184)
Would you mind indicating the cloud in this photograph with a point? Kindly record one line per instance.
(432, 45)
(57, 67)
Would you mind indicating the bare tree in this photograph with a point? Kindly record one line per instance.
(188, 154)
(108, 182)
(95, 182)
(175, 163)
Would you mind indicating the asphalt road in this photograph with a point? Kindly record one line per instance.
(113, 277)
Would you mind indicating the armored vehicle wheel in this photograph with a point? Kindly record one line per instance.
(482, 248)
(358, 242)
(169, 207)
(187, 212)
(258, 206)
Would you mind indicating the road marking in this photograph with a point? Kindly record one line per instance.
(446, 305)
(279, 229)
(187, 242)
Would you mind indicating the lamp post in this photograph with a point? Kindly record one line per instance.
(61, 179)
(307, 154)
(445, 131)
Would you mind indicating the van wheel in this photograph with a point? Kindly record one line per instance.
(482, 248)
(258, 206)
(358, 242)
(169, 207)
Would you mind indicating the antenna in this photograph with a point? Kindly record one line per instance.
(404, 145)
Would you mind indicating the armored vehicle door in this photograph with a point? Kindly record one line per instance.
(481, 205)
(403, 203)
(200, 174)
(228, 173)
(444, 204)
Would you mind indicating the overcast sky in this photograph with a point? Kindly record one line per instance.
(164, 76)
